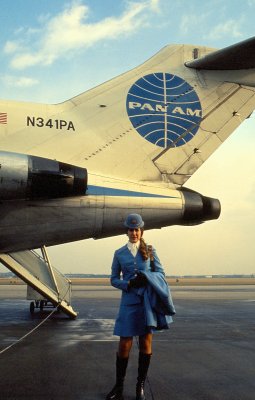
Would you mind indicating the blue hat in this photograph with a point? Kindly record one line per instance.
(134, 221)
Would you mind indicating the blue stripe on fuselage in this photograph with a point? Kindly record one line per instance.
(105, 191)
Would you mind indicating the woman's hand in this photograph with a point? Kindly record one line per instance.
(139, 281)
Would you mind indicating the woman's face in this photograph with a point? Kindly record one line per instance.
(134, 235)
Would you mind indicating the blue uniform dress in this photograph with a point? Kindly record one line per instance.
(131, 319)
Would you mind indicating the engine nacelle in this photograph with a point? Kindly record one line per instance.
(28, 177)
(199, 208)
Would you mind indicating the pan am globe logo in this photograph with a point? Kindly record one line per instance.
(164, 109)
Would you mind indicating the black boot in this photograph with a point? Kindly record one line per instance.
(143, 366)
(117, 391)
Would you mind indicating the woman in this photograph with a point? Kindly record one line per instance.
(133, 269)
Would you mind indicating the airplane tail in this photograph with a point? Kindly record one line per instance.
(163, 119)
(157, 122)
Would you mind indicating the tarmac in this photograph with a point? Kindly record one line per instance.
(207, 354)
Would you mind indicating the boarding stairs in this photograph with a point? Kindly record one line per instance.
(41, 277)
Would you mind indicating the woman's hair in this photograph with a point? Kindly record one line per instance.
(143, 249)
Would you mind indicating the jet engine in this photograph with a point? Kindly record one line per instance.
(199, 208)
(24, 176)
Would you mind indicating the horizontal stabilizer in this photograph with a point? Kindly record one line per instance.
(238, 56)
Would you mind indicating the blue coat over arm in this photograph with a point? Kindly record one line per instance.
(132, 319)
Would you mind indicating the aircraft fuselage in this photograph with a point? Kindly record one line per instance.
(100, 212)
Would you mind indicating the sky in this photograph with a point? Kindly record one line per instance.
(53, 50)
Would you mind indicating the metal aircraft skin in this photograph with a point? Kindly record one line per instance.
(74, 170)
